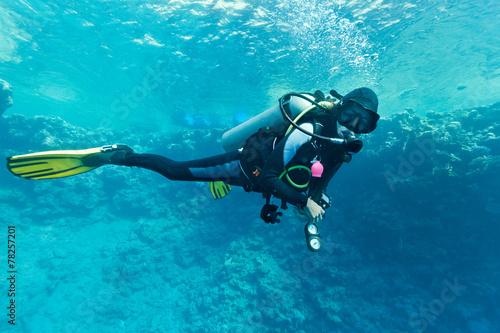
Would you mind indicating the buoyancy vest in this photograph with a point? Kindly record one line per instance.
(259, 147)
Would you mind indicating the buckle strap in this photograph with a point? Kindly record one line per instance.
(107, 148)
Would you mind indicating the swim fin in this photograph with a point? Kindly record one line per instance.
(219, 189)
(64, 163)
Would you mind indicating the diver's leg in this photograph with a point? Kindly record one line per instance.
(223, 167)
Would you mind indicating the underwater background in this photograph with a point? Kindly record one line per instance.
(411, 240)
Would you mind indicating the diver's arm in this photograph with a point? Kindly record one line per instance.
(338, 155)
(316, 191)
(281, 190)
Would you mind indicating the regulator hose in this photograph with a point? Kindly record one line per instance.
(287, 117)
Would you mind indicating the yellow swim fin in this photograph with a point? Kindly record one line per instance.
(61, 163)
(219, 189)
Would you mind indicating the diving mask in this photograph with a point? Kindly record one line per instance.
(356, 118)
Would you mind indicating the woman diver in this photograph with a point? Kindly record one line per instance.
(290, 151)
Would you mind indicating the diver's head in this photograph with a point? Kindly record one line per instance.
(357, 111)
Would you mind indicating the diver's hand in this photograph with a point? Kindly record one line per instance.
(313, 211)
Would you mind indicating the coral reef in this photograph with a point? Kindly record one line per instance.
(410, 242)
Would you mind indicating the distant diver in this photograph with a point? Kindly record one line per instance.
(291, 152)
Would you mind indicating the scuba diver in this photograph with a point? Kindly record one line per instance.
(290, 152)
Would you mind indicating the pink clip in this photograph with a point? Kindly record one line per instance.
(317, 169)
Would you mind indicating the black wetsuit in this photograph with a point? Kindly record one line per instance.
(296, 148)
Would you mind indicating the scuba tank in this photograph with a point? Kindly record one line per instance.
(235, 138)
(290, 109)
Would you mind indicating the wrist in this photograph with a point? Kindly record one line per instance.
(303, 202)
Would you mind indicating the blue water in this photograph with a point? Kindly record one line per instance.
(411, 235)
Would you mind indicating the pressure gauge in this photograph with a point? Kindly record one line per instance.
(312, 237)
(312, 228)
(315, 244)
